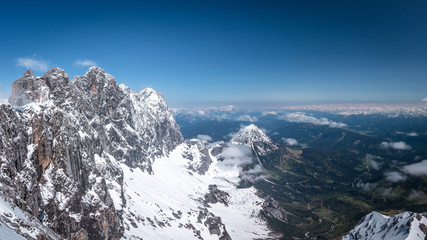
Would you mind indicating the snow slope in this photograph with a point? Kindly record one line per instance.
(17, 224)
(170, 202)
(7, 233)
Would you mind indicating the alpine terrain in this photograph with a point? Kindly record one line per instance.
(90, 159)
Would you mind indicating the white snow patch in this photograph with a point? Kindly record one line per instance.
(83, 135)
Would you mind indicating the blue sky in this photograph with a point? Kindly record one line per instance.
(202, 53)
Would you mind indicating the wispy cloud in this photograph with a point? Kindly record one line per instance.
(389, 192)
(375, 164)
(300, 117)
(372, 160)
(205, 138)
(265, 113)
(366, 186)
(247, 118)
(416, 169)
(415, 194)
(395, 176)
(85, 63)
(239, 157)
(33, 63)
(395, 145)
(424, 99)
(410, 134)
(290, 141)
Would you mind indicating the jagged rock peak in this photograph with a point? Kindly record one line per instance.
(95, 80)
(56, 78)
(406, 225)
(249, 135)
(151, 96)
(24, 89)
(29, 89)
(28, 74)
(55, 73)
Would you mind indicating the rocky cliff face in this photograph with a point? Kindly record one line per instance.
(62, 143)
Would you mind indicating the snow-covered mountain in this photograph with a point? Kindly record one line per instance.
(255, 138)
(90, 159)
(376, 226)
(251, 134)
(266, 151)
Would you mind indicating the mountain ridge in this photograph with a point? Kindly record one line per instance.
(71, 134)
(72, 152)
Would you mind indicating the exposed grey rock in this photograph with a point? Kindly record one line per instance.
(214, 224)
(217, 148)
(197, 149)
(272, 209)
(215, 195)
(50, 153)
(23, 89)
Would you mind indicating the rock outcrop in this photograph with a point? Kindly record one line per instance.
(62, 143)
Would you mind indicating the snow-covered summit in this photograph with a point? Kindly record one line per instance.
(249, 135)
(404, 226)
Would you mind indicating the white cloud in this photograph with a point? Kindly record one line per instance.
(388, 192)
(424, 99)
(265, 113)
(239, 157)
(395, 145)
(256, 170)
(416, 169)
(205, 138)
(290, 141)
(201, 112)
(375, 165)
(394, 176)
(32, 63)
(300, 117)
(366, 186)
(247, 118)
(236, 155)
(85, 63)
(411, 134)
